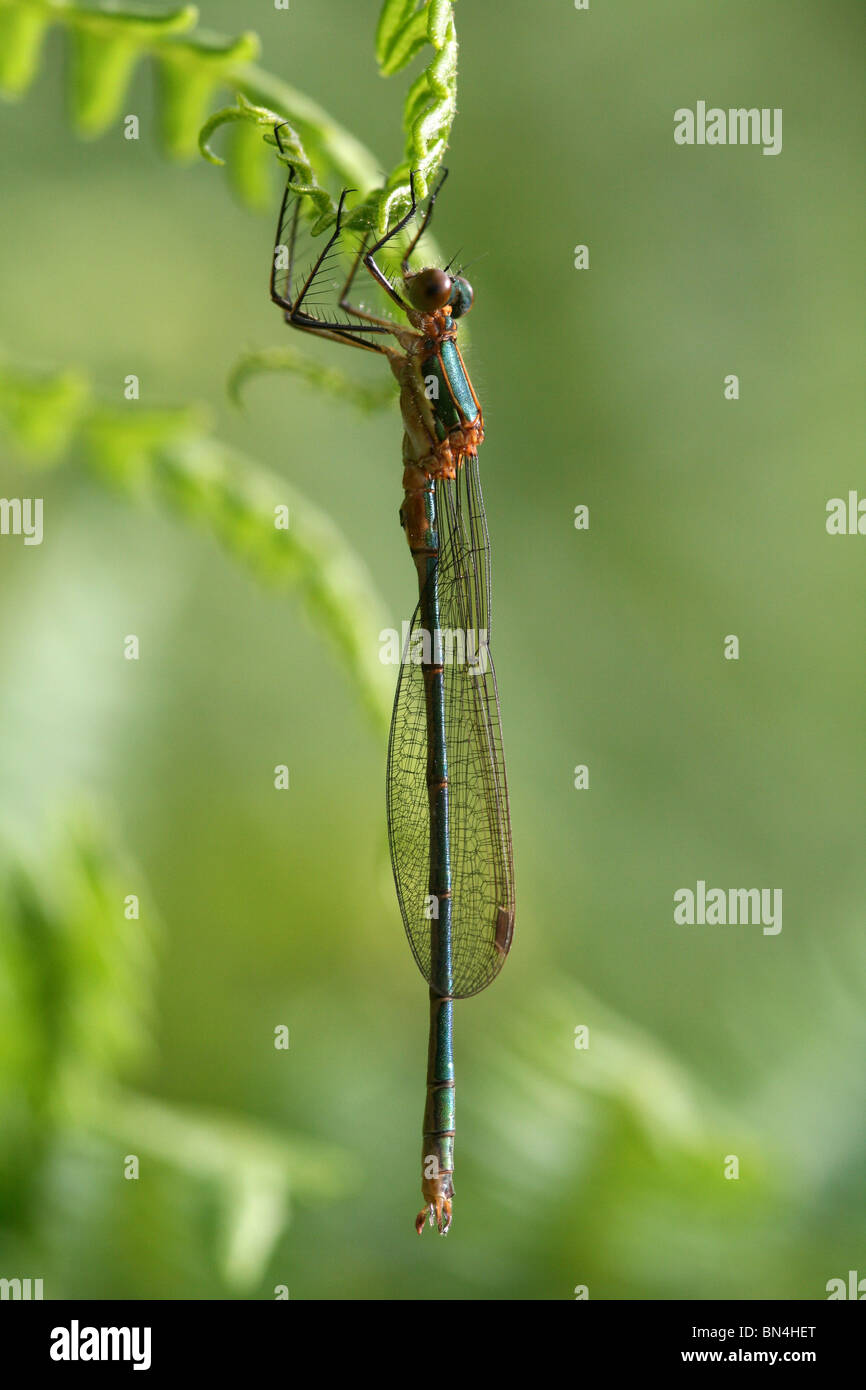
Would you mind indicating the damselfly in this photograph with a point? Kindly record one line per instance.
(447, 799)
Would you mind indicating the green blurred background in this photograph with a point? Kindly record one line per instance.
(604, 1167)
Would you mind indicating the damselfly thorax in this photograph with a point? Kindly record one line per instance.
(441, 417)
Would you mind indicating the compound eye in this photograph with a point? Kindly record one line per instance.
(461, 297)
(429, 290)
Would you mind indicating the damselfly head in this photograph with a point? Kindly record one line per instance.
(432, 289)
(429, 290)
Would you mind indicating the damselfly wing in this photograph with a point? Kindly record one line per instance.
(482, 874)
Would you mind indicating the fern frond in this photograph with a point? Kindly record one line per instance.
(169, 457)
(76, 980)
(405, 27)
(108, 41)
(336, 383)
(292, 154)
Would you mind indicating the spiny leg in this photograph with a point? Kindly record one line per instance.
(292, 311)
(275, 296)
(370, 258)
(425, 222)
(278, 244)
(332, 240)
(344, 297)
(339, 333)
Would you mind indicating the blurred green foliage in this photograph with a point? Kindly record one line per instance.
(167, 456)
(76, 973)
(602, 1167)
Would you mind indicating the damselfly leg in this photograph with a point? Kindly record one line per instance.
(375, 270)
(370, 258)
(359, 313)
(298, 296)
(291, 301)
(425, 223)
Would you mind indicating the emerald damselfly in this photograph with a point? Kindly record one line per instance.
(447, 799)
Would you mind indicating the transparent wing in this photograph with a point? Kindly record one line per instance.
(482, 874)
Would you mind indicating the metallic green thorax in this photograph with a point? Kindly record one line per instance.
(451, 397)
